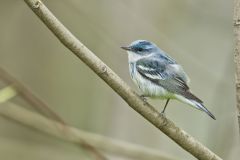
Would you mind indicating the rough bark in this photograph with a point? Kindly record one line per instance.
(236, 19)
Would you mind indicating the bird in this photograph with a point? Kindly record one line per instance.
(158, 75)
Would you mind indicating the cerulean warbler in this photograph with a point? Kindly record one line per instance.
(158, 75)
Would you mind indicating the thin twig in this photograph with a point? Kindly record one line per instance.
(29, 96)
(76, 136)
(236, 19)
(11, 90)
(178, 135)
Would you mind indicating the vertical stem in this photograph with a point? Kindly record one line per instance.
(236, 19)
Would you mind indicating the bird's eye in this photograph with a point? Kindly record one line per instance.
(140, 49)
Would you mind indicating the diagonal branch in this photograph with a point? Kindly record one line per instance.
(178, 135)
(76, 136)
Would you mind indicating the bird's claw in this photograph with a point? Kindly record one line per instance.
(162, 114)
(143, 98)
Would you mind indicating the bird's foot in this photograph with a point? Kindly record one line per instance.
(163, 114)
(143, 97)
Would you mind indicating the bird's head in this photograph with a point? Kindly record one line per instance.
(141, 47)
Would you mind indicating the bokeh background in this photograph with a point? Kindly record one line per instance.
(198, 34)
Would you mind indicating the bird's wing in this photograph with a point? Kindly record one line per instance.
(169, 76)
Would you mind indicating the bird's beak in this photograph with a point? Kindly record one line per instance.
(126, 48)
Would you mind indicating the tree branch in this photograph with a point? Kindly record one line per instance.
(76, 136)
(178, 135)
(236, 19)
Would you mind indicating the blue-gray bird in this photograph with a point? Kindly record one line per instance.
(159, 76)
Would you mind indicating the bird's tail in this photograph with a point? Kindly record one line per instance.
(192, 100)
(201, 107)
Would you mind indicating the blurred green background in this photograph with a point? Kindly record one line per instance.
(198, 34)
